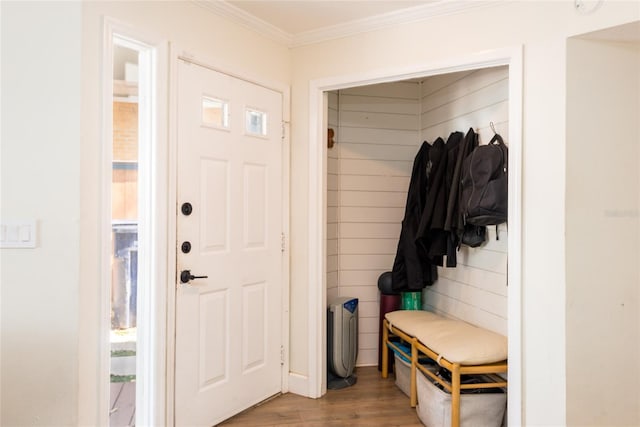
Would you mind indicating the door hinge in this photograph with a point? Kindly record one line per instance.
(281, 355)
(283, 130)
(282, 242)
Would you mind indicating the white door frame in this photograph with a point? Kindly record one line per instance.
(177, 53)
(317, 205)
(150, 353)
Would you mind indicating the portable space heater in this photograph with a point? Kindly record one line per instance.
(342, 341)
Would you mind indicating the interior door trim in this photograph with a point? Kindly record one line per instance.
(95, 405)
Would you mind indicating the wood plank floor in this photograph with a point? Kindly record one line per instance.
(372, 401)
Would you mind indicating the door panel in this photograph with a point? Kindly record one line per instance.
(215, 205)
(228, 324)
(213, 328)
(255, 215)
(254, 333)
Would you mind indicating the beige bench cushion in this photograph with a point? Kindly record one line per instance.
(455, 340)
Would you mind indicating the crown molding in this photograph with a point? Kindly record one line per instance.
(247, 20)
(404, 16)
(386, 20)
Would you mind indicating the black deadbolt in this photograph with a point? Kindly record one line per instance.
(186, 276)
(187, 208)
(186, 247)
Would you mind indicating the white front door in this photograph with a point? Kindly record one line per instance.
(229, 323)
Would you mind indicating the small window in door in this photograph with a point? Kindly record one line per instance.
(215, 112)
(255, 122)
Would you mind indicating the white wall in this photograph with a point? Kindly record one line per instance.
(333, 176)
(542, 29)
(603, 233)
(476, 289)
(41, 180)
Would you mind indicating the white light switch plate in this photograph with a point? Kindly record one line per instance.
(18, 233)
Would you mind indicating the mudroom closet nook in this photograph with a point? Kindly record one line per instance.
(378, 130)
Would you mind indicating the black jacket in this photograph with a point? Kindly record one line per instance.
(411, 271)
(454, 223)
(432, 237)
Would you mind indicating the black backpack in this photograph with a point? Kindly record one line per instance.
(484, 184)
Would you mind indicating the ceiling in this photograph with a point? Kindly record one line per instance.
(300, 22)
(300, 16)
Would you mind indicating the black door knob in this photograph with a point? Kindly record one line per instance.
(186, 247)
(186, 276)
(186, 208)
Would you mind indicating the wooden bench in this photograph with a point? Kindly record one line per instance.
(456, 346)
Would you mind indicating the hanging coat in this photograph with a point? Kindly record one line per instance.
(411, 271)
(432, 238)
(454, 223)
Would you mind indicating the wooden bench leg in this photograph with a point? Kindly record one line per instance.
(455, 395)
(385, 352)
(414, 372)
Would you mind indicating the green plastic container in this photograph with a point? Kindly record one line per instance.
(411, 301)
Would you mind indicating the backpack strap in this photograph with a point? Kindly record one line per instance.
(497, 140)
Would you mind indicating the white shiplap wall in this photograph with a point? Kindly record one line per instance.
(378, 139)
(333, 166)
(379, 129)
(476, 290)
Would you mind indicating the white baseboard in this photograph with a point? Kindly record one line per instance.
(299, 384)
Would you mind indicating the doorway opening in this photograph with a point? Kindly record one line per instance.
(131, 183)
(325, 218)
(378, 130)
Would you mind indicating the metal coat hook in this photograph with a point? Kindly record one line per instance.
(493, 128)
